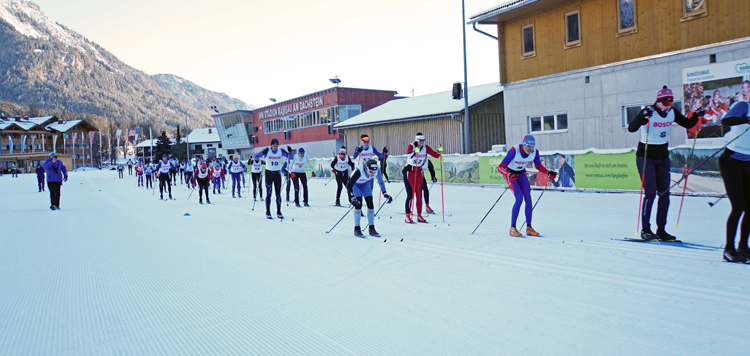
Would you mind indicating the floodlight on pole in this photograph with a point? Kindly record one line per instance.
(335, 80)
(272, 100)
(214, 108)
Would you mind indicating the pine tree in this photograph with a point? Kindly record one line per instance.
(163, 146)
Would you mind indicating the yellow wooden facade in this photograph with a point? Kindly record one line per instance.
(660, 27)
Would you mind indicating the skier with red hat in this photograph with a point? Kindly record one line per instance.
(652, 158)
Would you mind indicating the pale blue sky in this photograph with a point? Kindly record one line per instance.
(255, 50)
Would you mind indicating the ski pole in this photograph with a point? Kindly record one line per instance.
(687, 167)
(537, 200)
(342, 218)
(191, 193)
(643, 178)
(703, 162)
(442, 192)
(493, 206)
(329, 181)
(717, 200)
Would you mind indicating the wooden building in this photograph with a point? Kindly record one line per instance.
(26, 141)
(590, 60)
(438, 116)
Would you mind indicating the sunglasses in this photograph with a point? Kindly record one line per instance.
(366, 141)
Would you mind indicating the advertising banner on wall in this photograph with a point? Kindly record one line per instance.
(607, 171)
(709, 91)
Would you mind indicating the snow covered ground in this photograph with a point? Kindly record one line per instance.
(117, 271)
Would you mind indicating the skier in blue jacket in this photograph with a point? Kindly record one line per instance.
(56, 174)
(359, 188)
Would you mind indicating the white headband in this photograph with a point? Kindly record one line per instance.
(419, 138)
(342, 150)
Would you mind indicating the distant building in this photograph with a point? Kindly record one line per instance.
(28, 141)
(438, 116)
(203, 143)
(306, 121)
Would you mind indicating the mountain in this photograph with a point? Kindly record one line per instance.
(46, 65)
(198, 97)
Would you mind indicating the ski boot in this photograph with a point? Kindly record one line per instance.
(208, 201)
(51, 207)
(531, 232)
(278, 215)
(662, 235)
(429, 210)
(514, 232)
(408, 219)
(337, 203)
(200, 201)
(161, 196)
(239, 196)
(170, 197)
(373, 233)
(647, 235)
(358, 232)
(268, 216)
(744, 252)
(421, 219)
(297, 205)
(307, 205)
(731, 255)
(232, 195)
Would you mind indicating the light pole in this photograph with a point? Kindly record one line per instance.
(467, 145)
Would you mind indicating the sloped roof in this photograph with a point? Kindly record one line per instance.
(429, 105)
(499, 9)
(65, 126)
(202, 135)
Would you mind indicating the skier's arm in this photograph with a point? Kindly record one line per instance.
(640, 119)
(571, 173)
(262, 153)
(378, 154)
(431, 152)
(731, 118)
(683, 121)
(351, 163)
(333, 163)
(357, 151)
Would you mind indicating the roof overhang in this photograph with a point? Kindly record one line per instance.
(513, 10)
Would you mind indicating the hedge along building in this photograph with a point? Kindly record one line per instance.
(438, 116)
(576, 72)
(305, 121)
(28, 141)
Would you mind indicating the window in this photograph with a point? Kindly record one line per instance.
(209, 145)
(626, 23)
(692, 9)
(527, 41)
(548, 123)
(629, 112)
(572, 29)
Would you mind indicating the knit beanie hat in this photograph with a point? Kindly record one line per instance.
(665, 94)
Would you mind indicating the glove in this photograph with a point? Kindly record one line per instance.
(289, 149)
(358, 149)
(514, 177)
(357, 205)
(157, 175)
(552, 174)
(388, 197)
(313, 174)
(648, 112)
(434, 179)
(440, 148)
(66, 179)
(294, 175)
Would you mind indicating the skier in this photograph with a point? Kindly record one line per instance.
(189, 169)
(237, 169)
(426, 190)
(359, 188)
(202, 176)
(40, 177)
(120, 170)
(130, 167)
(56, 174)
(653, 156)
(734, 164)
(276, 161)
(288, 175)
(340, 167)
(257, 169)
(147, 171)
(513, 168)
(413, 173)
(163, 171)
(14, 171)
(139, 173)
(299, 175)
(365, 151)
(173, 172)
(217, 174)
(182, 171)
(384, 164)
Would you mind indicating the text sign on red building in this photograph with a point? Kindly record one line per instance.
(291, 108)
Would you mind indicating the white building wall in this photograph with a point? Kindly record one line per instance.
(595, 109)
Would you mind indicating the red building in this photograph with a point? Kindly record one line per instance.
(306, 121)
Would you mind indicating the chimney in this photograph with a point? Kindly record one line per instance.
(209, 130)
(60, 121)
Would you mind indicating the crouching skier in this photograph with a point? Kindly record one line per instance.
(359, 187)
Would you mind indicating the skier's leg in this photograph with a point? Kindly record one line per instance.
(277, 189)
(269, 183)
(425, 191)
(525, 188)
(295, 181)
(518, 194)
(303, 180)
(663, 180)
(407, 186)
(649, 190)
(419, 176)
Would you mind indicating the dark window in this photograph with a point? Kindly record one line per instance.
(528, 40)
(572, 30)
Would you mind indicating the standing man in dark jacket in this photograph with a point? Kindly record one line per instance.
(652, 157)
(56, 174)
(40, 176)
